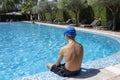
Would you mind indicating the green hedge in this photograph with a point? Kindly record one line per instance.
(100, 12)
(88, 13)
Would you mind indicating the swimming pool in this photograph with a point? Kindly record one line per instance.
(26, 48)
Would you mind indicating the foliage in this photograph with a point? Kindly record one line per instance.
(100, 12)
(41, 8)
(27, 6)
(52, 9)
(8, 5)
(34, 10)
(87, 14)
(49, 7)
(112, 5)
(74, 6)
(16, 1)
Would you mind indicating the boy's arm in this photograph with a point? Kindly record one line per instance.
(59, 57)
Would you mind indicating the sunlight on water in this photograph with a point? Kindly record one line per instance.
(26, 48)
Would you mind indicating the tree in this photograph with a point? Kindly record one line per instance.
(51, 7)
(63, 9)
(41, 8)
(17, 3)
(112, 5)
(27, 7)
(73, 5)
(8, 5)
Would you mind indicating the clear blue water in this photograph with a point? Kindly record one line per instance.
(26, 48)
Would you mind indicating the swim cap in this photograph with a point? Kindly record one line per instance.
(70, 31)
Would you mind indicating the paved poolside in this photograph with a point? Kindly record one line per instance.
(108, 32)
(108, 73)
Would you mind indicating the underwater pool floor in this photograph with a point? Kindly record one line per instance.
(102, 69)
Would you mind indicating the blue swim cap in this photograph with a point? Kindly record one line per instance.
(70, 31)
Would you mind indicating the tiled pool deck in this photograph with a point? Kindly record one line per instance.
(108, 73)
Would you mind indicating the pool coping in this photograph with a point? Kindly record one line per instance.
(107, 32)
(98, 32)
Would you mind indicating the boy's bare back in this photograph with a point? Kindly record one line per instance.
(73, 54)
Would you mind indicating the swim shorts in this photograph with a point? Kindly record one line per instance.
(62, 71)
